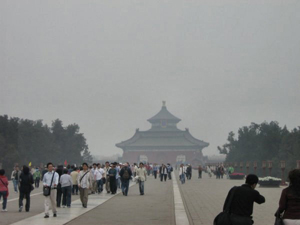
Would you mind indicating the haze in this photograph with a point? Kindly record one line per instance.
(108, 65)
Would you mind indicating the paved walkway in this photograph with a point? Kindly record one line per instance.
(36, 206)
(156, 207)
(161, 205)
(204, 199)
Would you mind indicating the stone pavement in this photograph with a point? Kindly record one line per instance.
(13, 215)
(156, 207)
(36, 206)
(204, 199)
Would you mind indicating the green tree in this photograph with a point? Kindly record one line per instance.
(263, 142)
(87, 157)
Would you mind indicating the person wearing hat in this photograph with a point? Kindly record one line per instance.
(142, 177)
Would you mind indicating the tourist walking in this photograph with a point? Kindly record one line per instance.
(84, 184)
(170, 170)
(155, 170)
(182, 173)
(118, 180)
(66, 187)
(189, 172)
(289, 203)
(222, 171)
(15, 178)
(50, 181)
(99, 177)
(74, 175)
(125, 175)
(107, 180)
(163, 171)
(26, 182)
(112, 179)
(134, 169)
(37, 177)
(141, 173)
(93, 172)
(208, 170)
(4, 192)
(59, 171)
(199, 172)
(148, 168)
(45, 170)
(241, 207)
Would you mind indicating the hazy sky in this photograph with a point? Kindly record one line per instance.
(107, 65)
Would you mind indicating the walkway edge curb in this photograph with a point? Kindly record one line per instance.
(180, 213)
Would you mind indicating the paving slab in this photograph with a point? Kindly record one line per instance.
(204, 199)
(36, 207)
(156, 207)
(64, 215)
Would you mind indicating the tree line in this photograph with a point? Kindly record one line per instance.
(23, 141)
(263, 142)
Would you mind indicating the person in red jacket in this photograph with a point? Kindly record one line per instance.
(3, 189)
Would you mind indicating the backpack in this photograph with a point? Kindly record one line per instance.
(126, 174)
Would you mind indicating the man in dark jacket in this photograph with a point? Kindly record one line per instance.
(241, 208)
(170, 170)
(189, 172)
(26, 181)
(125, 175)
(163, 171)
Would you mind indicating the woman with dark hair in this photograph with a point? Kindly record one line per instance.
(290, 200)
(26, 181)
(66, 186)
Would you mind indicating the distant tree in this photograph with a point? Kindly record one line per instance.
(87, 157)
(263, 142)
(23, 141)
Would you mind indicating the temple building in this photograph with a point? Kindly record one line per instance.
(163, 143)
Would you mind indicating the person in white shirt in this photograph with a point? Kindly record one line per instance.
(93, 177)
(182, 171)
(50, 179)
(134, 169)
(84, 184)
(99, 177)
(142, 177)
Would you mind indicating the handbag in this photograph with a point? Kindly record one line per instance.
(278, 219)
(47, 190)
(223, 218)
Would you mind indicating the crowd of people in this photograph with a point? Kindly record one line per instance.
(60, 183)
